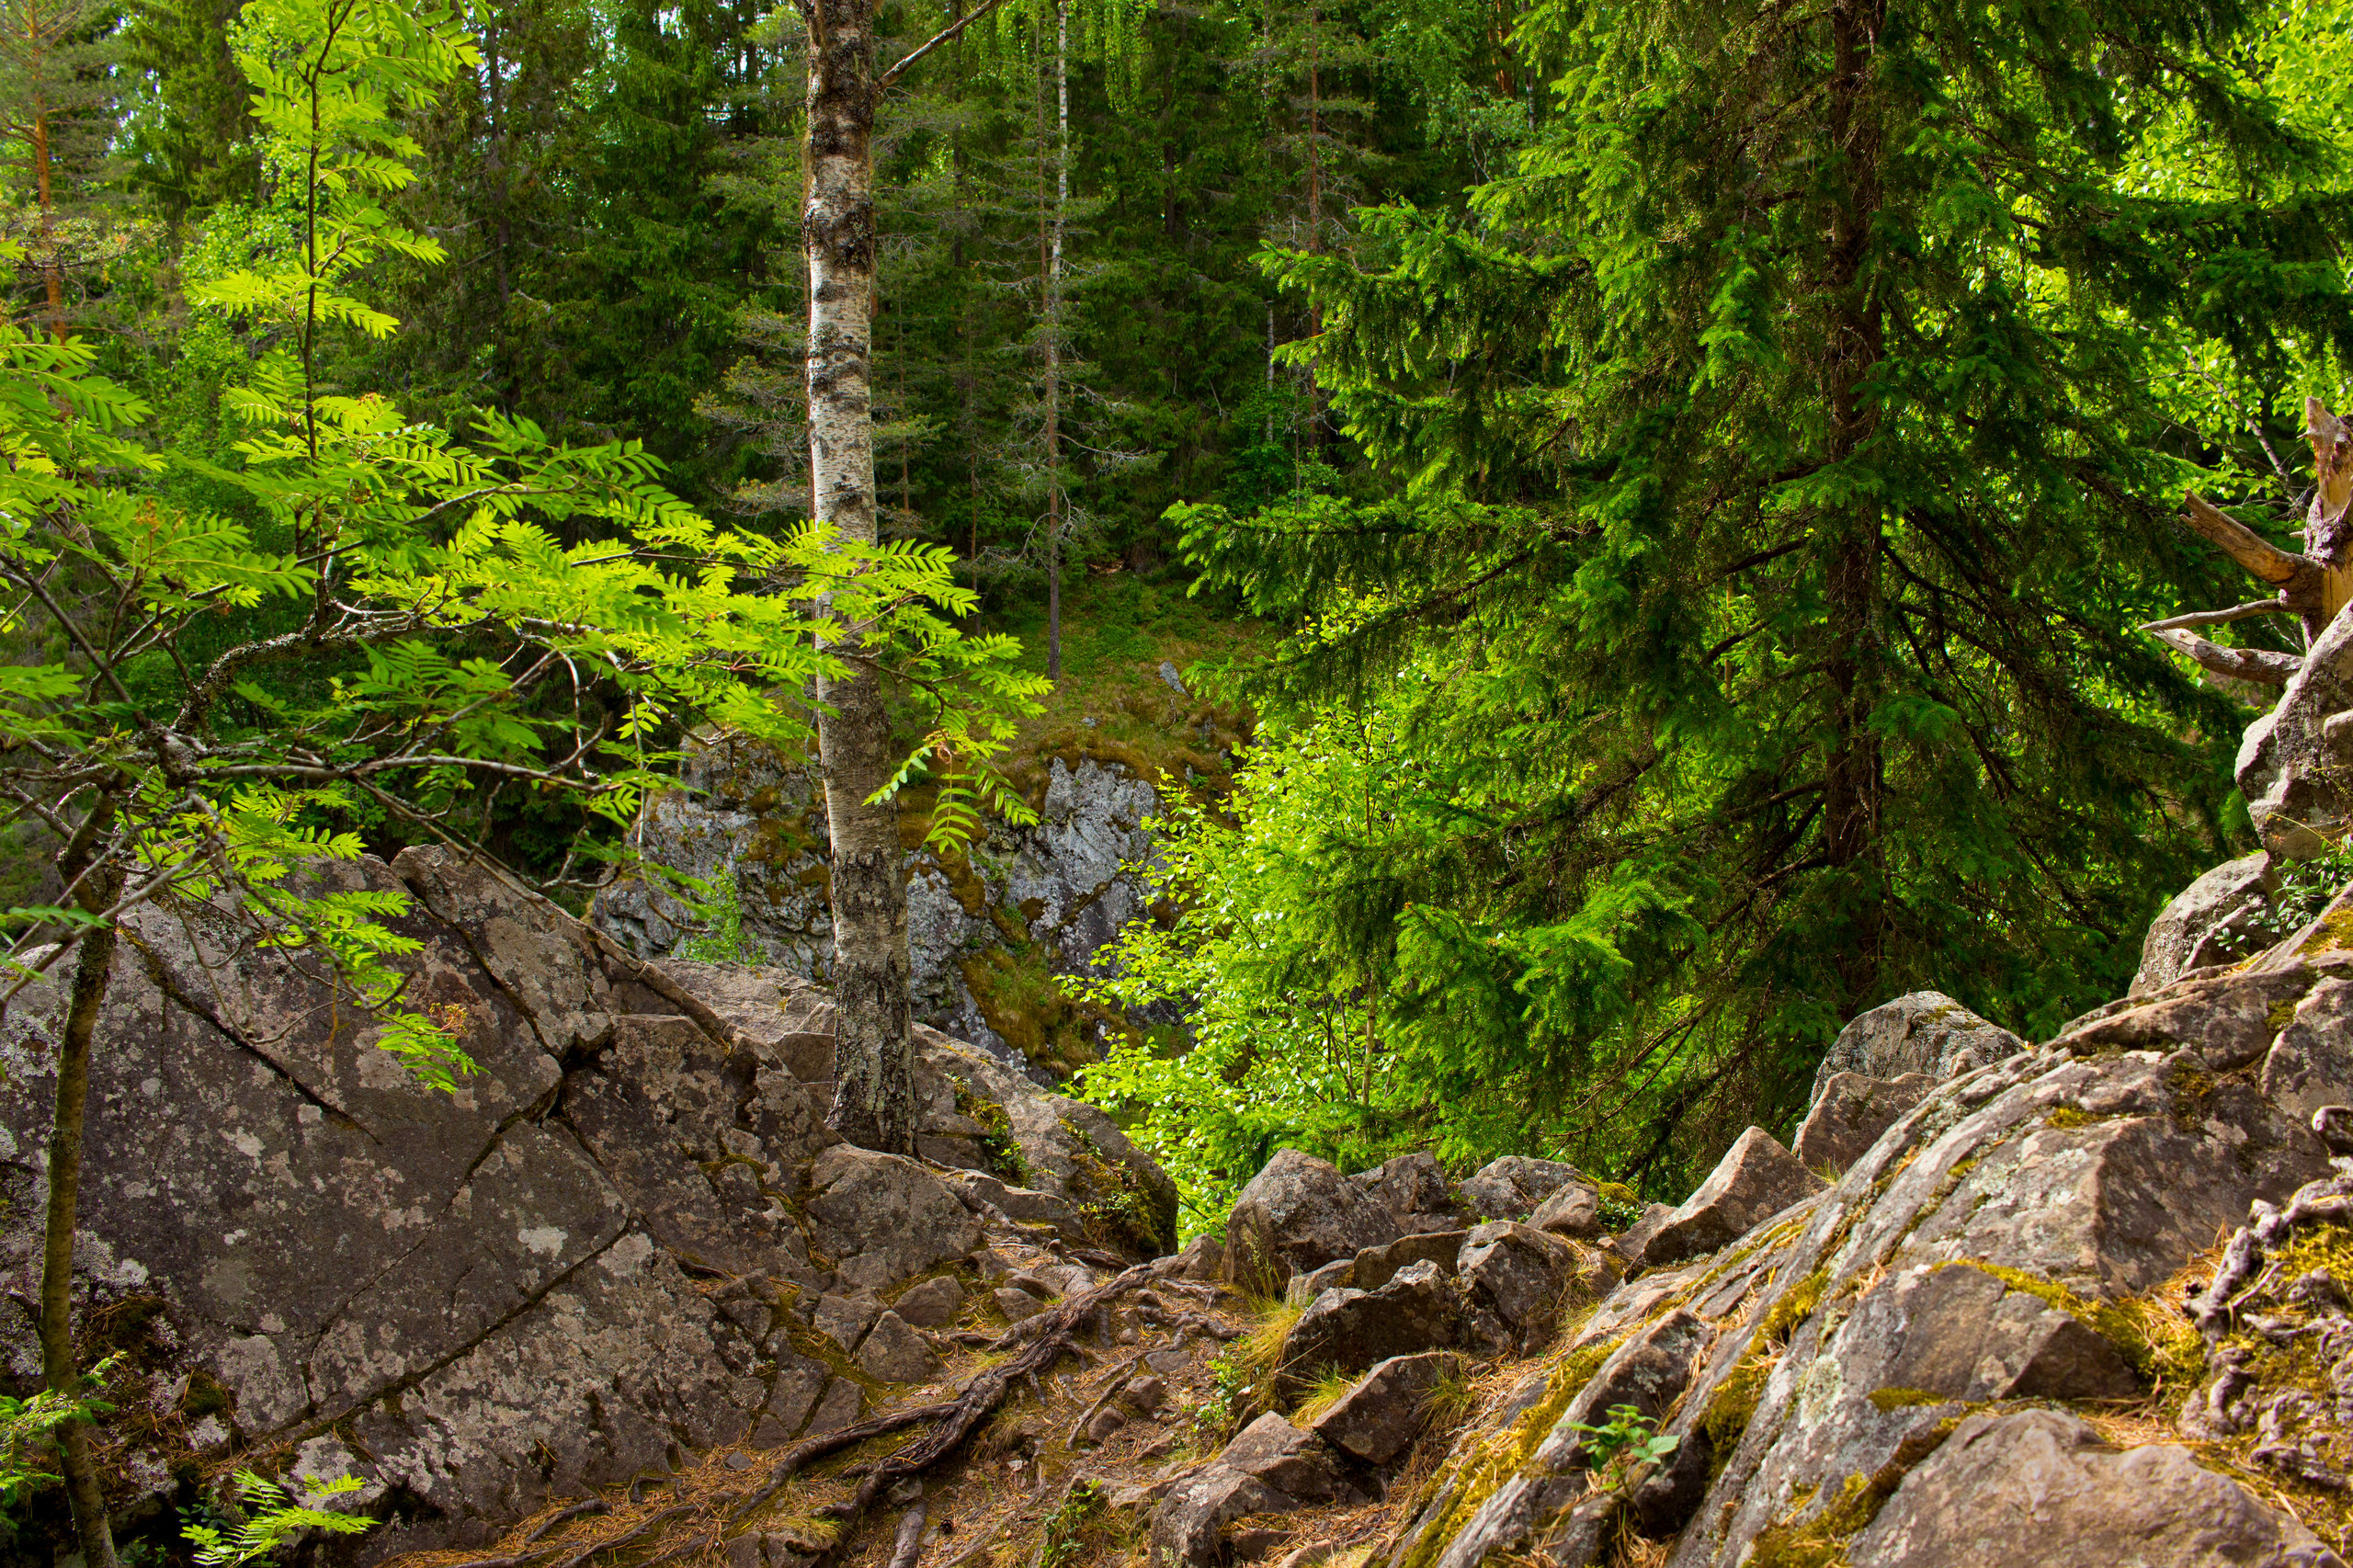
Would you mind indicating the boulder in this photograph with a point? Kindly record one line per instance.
(1377, 1420)
(2310, 1065)
(1964, 1335)
(1376, 1267)
(883, 1216)
(1926, 1032)
(894, 1353)
(1022, 1205)
(2206, 923)
(845, 1319)
(932, 1304)
(1755, 1180)
(2287, 765)
(1298, 1214)
(1203, 1257)
(1305, 1288)
(2039, 1487)
(1298, 1464)
(1015, 1304)
(1511, 1188)
(1520, 1274)
(1347, 1331)
(1573, 1210)
(1648, 1371)
(1848, 1115)
(1189, 1525)
(1413, 1189)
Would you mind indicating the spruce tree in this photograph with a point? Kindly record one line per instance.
(1783, 480)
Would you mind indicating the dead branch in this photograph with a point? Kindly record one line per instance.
(2220, 617)
(2258, 555)
(2258, 665)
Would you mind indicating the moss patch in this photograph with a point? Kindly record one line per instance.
(1733, 1406)
(1481, 1466)
(1820, 1541)
(2160, 1348)
(1888, 1400)
(1796, 1306)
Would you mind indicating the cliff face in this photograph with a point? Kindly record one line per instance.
(988, 929)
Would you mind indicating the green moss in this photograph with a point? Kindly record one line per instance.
(1735, 1405)
(2191, 1087)
(1887, 1399)
(1820, 1541)
(1481, 1466)
(1116, 1205)
(2281, 1014)
(2068, 1116)
(998, 1147)
(2160, 1350)
(1796, 1306)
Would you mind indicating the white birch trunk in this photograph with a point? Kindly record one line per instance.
(873, 1055)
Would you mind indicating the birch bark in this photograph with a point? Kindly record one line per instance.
(873, 1056)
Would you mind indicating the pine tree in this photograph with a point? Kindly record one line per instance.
(57, 94)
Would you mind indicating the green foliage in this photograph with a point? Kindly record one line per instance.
(505, 615)
(272, 1520)
(29, 1428)
(1628, 1439)
(1754, 610)
(724, 942)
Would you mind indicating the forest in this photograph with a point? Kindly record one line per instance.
(1658, 508)
(1676, 490)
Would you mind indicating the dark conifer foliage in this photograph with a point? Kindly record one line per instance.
(1783, 477)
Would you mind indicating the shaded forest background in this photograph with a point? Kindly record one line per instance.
(1677, 485)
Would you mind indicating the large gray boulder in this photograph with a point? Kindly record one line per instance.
(2040, 1489)
(1848, 1115)
(2206, 923)
(2290, 760)
(1512, 1186)
(1414, 1190)
(1066, 883)
(1926, 1032)
(500, 1296)
(884, 1218)
(1347, 1330)
(1298, 1214)
(1378, 1419)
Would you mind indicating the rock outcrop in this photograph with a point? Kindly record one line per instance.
(1926, 1032)
(1046, 896)
(2207, 923)
(630, 1232)
(1922, 1364)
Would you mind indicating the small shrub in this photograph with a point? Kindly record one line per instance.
(1628, 1439)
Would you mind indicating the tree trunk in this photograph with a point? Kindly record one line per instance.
(1314, 218)
(1852, 782)
(59, 1373)
(52, 275)
(873, 1057)
(1054, 310)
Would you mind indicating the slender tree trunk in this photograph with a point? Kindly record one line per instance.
(1054, 310)
(59, 1373)
(1314, 216)
(52, 275)
(873, 1058)
(1853, 783)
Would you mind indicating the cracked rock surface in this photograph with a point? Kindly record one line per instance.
(606, 1247)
